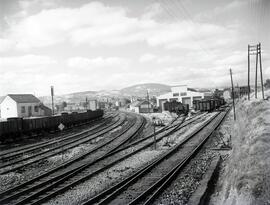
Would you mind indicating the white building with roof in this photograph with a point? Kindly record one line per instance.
(22, 105)
(180, 93)
(141, 107)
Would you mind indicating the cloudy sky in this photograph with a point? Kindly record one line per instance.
(109, 44)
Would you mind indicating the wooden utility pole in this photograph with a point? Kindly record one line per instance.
(259, 46)
(52, 94)
(234, 117)
(86, 103)
(255, 50)
(256, 72)
(148, 101)
(248, 75)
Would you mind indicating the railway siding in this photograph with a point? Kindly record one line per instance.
(82, 163)
(59, 148)
(136, 187)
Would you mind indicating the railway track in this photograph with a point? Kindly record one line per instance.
(63, 182)
(59, 148)
(145, 185)
(15, 152)
(37, 186)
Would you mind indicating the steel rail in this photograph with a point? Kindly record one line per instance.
(112, 192)
(66, 140)
(157, 188)
(60, 148)
(82, 179)
(24, 149)
(7, 195)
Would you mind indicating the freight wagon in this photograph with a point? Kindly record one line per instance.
(176, 107)
(14, 127)
(208, 105)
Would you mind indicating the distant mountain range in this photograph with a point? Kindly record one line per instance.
(139, 90)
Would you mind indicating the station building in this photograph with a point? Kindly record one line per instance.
(180, 93)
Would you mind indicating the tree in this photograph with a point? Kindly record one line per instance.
(267, 83)
(63, 105)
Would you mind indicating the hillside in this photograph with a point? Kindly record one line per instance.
(135, 90)
(141, 89)
(72, 97)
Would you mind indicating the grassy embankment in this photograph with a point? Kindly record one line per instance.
(247, 174)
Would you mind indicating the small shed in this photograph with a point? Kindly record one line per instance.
(141, 107)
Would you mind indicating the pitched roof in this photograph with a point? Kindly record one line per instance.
(24, 98)
(2, 98)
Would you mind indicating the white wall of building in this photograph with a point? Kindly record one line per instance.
(180, 94)
(93, 105)
(8, 108)
(134, 109)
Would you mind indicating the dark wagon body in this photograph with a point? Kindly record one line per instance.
(14, 127)
(176, 107)
(208, 105)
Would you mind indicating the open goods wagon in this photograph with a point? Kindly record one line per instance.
(176, 107)
(208, 105)
(15, 127)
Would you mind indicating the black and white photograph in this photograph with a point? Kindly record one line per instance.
(135, 102)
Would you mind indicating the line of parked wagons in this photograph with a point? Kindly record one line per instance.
(204, 105)
(15, 127)
(208, 105)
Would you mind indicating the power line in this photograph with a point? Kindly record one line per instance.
(171, 13)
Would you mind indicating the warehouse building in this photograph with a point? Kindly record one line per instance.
(23, 105)
(180, 93)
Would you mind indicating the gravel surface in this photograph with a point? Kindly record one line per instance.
(98, 183)
(187, 181)
(189, 178)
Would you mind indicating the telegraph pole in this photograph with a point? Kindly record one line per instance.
(255, 50)
(248, 75)
(256, 77)
(234, 117)
(52, 94)
(148, 101)
(86, 101)
(259, 46)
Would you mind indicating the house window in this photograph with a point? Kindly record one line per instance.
(183, 94)
(36, 108)
(175, 94)
(23, 109)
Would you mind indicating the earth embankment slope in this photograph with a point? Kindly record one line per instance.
(246, 177)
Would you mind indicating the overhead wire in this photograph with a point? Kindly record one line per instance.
(171, 12)
(191, 20)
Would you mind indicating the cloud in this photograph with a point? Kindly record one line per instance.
(95, 24)
(26, 61)
(148, 57)
(228, 7)
(81, 62)
(152, 11)
(151, 58)
(142, 48)
(6, 44)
